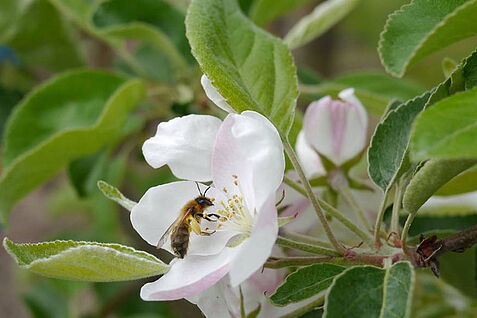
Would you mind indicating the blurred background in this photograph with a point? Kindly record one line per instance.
(40, 39)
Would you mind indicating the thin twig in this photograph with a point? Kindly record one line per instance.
(306, 239)
(305, 247)
(348, 196)
(328, 208)
(396, 208)
(405, 232)
(379, 220)
(309, 193)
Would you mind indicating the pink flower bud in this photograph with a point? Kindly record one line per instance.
(337, 128)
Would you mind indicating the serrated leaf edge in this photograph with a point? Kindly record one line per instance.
(292, 274)
(79, 244)
(420, 44)
(373, 142)
(325, 309)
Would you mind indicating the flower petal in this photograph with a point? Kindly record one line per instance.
(160, 207)
(253, 252)
(214, 95)
(217, 300)
(184, 144)
(308, 157)
(188, 277)
(248, 146)
(337, 129)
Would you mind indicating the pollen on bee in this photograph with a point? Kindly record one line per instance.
(222, 219)
(212, 199)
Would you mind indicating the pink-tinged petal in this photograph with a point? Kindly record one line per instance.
(214, 95)
(337, 129)
(188, 277)
(218, 301)
(348, 96)
(249, 147)
(184, 144)
(254, 251)
(266, 281)
(308, 157)
(161, 206)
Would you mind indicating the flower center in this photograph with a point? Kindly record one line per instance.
(234, 212)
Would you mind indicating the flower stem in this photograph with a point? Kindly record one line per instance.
(379, 220)
(348, 196)
(405, 232)
(305, 308)
(309, 193)
(396, 207)
(347, 222)
(306, 239)
(305, 247)
(335, 213)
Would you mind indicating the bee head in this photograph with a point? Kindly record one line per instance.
(204, 201)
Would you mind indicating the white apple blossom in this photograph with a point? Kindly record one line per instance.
(336, 129)
(243, 157)
(223, 300)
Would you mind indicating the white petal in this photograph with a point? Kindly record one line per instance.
(349, 96)
(184, 144)
(160, 207)
(217, 301)
(214, 95)
(336, 129)
(308, 157)
(257, 248)
(188, 277)
(248, 146)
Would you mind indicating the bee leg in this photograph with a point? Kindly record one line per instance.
(207, 216)
(207, 233)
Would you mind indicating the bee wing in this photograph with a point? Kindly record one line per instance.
(174, 225)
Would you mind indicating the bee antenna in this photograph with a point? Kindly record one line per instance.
(206, 190)
(198, 188)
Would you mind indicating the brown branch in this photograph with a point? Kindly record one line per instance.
(427, 253)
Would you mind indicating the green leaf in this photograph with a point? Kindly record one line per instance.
(84, 172)
(447, 130)
(305, 283)
(250, 68)
(462, 183)
(152, 21)
(114, 194)
(149, 35)
(374, 90)
(10, 11)
(8, 99)
(368, 291)
(323, 17)
(427, 222)
(459, 270)
(448, 66)
(390, 141)
(422, 28)
(264, 11)
(42, 39)
(429, 178)
(85, 261)
(68, 117)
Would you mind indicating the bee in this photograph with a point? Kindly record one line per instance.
(189, 221)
